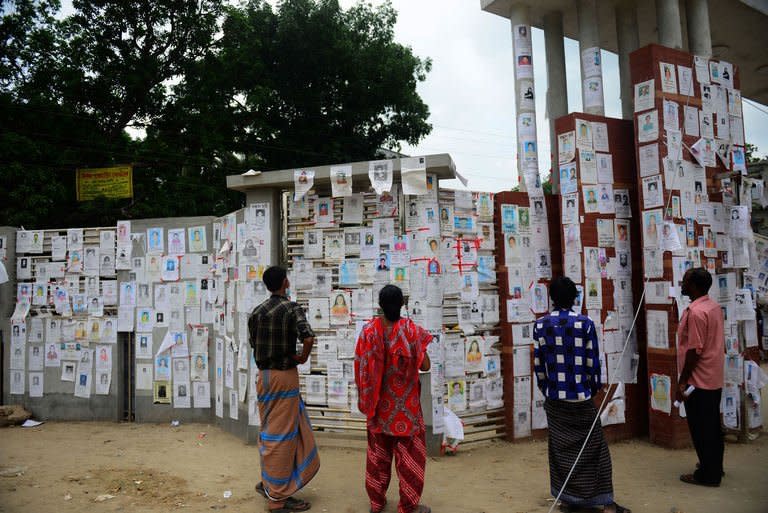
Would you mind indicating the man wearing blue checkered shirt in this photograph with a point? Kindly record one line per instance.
(567, 363)
(566, 355)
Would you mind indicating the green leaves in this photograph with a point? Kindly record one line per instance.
(205, 90)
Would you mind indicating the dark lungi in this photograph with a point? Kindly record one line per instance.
(591, 481)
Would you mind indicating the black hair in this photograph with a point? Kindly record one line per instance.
(390, 301)
(701, 279)
(563, 292)
(274, 277)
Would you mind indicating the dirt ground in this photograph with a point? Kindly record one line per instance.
(104, 467)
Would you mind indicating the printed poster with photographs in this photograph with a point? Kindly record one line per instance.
(526, 95)
(387, 204)
(600, 137)
(353, 209)
(657, 326)
(652, 223)
(644, 95)
(523, 51)
(685, 80)
(590, 193)
(661, 393)
(621, 203)
(593, 92)
(340, 307)
(570, 208)
(380, 174)
(568, 178)
(604, 168)
(668, 77)
(591, 62)
(341, 181)
(648, 126)
(484, 206)
(526, 125)
(324, 213)
(566, 147)
(413, 175)
(303, 180)
(583, 134)
(473, 361)
(587, 166)
(653, 193)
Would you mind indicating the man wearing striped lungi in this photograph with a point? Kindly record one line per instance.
(389, 354)
(567, 365)
(286, 444)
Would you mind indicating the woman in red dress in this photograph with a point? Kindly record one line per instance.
(389, 354)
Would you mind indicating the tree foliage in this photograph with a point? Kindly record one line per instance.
(750, 152)
(206, 89)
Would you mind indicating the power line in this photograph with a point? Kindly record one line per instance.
(473, 131)
(90, 119)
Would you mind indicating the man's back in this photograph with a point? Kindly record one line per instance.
(566, 355)
(701, 329)
(274, 327)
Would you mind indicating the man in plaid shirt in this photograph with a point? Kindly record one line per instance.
(289, 457)
(275, 326)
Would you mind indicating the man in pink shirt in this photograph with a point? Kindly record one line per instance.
(700, 359)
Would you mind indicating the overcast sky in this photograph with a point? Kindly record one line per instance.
(470, 91)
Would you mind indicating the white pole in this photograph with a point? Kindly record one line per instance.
(525, 106)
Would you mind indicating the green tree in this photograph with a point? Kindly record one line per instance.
(305, 84)
(27, 40)
(215, 89)
(750, 152)
(72, 87)
(117, 58)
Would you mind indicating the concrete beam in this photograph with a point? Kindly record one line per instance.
(440, 164)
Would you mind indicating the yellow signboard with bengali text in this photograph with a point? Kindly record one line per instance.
(109, 182)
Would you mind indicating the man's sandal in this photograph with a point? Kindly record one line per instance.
(260, 490)
(291, 504)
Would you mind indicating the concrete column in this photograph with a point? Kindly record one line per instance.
(589, 39)
(628, 41)
(557, 92)
(520, 16)
(668, 23)
(699, 36)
